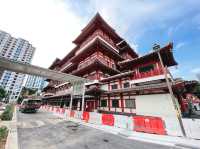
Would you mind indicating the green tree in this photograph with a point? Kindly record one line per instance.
(27, 91)
(3, 93)
(19, 100)
(197, 90)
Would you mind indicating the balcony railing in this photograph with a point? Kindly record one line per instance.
(92, 77)
(92, 59)
(100, 34)
(66, 65)
(62, 92)
(151, 73)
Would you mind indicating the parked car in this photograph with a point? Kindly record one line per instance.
(30, 105)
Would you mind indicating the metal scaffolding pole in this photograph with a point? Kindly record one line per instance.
(71, 100)
(83, 98)
(171, 94)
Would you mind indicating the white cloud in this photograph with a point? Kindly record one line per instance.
(180, 45)
(52, 25)
(195, 70)
(48, 24)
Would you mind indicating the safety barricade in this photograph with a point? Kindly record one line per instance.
(86, 116)
(95, 118)
(52, 109)
(78, 114)
(122, 121)
(67, 113)
(108, 119)
(149, 125)
(172, 126)
(57, 110)
(72, 113)
(62, 110)
(49, 108)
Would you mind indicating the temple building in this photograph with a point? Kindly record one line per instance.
(122, 81)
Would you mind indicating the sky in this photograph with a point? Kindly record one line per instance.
(52, 25)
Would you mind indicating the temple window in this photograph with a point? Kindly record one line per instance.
(146, 68)
(130, 103)
(126, 85)
(115, 103)
(67, 103)
(103, 103)
(114, 86)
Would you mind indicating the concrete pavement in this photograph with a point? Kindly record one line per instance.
(44, 130)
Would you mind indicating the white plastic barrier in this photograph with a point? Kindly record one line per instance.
(61, 112)
(130, 123)
(95, 118)
(124, 122)
(192, 128)
(67, 113)
(78, 115)
(172, 127)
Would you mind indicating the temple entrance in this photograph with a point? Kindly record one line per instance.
(90, 106)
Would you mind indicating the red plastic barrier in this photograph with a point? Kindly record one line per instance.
(72, 113)
(57, 110)
(108, 119)
(62, 110)
(86, 116)
(149, 124)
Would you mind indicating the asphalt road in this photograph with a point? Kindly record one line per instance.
(43, 130)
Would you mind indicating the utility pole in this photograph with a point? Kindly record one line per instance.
(174, 101)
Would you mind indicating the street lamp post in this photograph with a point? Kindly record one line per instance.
(157, 49)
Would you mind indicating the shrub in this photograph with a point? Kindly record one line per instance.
(3, 133)
(8, 113)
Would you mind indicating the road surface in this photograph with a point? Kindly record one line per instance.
(43, 130)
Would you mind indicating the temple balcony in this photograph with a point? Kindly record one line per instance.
(95, 63)
(151, 73)
(64, 92)
(92, 59)
(97, 44)
(65, 66)
(100, 34)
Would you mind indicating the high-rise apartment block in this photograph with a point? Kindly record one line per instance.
(35, 82)
(16, 49)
